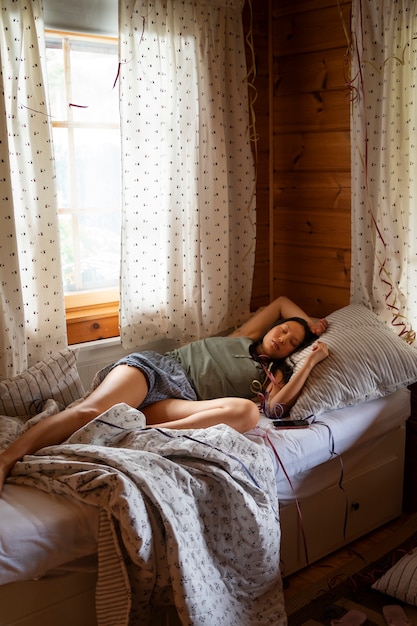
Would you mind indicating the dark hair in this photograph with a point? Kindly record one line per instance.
(281, 364)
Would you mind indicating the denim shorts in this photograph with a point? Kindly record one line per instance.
(166, 377)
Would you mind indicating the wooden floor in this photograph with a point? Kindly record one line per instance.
(299, 581)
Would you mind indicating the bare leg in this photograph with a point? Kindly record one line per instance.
(240, 414)
(123, 384)
(127, 384)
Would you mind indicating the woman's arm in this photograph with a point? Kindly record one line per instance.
(289, 394)
(281, 308)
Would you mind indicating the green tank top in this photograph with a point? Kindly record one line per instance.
(220, 367)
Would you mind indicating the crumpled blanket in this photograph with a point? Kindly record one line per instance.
(187, 517)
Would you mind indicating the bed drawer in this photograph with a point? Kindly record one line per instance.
(66, 600)
(370, 496)
(376, 497)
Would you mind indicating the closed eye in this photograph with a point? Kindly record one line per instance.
(293, 340)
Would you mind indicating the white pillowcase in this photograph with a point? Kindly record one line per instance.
(400, 581)
(367, 360)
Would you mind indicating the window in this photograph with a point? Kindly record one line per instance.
(85, 121)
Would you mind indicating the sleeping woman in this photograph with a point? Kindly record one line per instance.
(204, 383)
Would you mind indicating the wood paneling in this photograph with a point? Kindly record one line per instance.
(286, 7)
(312, 264)
(315, 29)
(336, 180)
(318, 300)
(312, 228)
(311, 152)
(310, 72)
(306, 196)
(302, 119)
(311, 112)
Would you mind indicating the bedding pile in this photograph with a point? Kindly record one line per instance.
(186, 517)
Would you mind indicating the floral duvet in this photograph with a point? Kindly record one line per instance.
(188, 518)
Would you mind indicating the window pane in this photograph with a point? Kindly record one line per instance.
(94, 263)
(97, 167)
(81, 72)
(92, 78)
(56, 80)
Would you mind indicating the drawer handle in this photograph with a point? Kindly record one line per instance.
(355, 506)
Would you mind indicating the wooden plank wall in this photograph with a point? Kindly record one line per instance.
(303, 152)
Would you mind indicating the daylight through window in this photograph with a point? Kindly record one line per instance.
(85, 120)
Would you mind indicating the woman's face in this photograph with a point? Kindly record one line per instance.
(282, 340)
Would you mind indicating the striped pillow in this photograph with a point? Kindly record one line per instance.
(367, 360)
(400, 581)
(54, 378)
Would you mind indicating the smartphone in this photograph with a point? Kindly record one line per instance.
(291, 423)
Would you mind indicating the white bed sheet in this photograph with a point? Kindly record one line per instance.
(40, 532)
(351, 429)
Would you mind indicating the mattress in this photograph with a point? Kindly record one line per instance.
(331, 435)
(43, 533)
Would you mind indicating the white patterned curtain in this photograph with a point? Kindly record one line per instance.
(32, 322)
(384, 160)
(189, 210)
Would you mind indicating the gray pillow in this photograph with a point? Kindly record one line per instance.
(367, 360)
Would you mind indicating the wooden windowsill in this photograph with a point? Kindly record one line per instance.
(92, 316)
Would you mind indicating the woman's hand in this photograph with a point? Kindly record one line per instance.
(288, 394)
(318, 327)
(319, 352)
